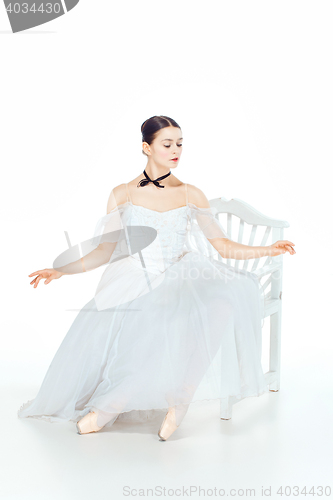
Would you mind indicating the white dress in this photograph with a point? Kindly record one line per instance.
(174, 328)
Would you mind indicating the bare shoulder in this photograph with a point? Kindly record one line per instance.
(197, 197)
(117, 197)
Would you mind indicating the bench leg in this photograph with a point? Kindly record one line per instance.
(225, 409)
(275, 349)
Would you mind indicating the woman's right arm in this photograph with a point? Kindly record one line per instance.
(96, 258)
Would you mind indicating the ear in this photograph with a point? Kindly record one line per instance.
(145, 148)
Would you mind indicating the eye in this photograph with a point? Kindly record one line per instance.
(179, 145)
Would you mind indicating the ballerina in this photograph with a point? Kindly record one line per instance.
(169, 324)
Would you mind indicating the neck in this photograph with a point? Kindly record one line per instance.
(154, 171)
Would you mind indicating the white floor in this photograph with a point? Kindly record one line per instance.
(281, 439)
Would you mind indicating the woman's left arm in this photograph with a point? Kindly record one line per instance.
(233, 250)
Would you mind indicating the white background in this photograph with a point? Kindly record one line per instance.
(250, 83)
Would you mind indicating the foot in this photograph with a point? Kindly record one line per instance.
(169, 425)
(88, 423)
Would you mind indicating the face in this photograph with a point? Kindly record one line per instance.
(166, 146)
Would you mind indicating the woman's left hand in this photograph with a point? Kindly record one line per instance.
(281, 246)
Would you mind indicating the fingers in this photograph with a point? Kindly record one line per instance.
(34, 280)
(286, 245)
(290, 249)
(33, 274)
(283, 246)
(286, 242)
(47, 274)
(38, 280)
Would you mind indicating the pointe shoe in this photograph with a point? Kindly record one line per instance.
(88, 423)
(169, 425)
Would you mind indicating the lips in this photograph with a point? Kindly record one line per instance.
(174, 159)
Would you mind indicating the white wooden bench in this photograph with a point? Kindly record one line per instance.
(255, 228)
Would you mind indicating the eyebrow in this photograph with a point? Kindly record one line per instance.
(180, 138)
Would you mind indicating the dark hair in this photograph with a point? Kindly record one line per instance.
(150, 127)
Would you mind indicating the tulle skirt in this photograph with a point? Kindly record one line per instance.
(195, 335)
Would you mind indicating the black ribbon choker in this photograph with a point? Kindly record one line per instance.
(146, 181)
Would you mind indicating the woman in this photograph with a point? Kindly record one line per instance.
(169, 324)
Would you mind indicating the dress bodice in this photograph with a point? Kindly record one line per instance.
(168, 246)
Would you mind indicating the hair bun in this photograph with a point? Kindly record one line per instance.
(152, 125)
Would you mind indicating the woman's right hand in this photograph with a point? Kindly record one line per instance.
(47, 274)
